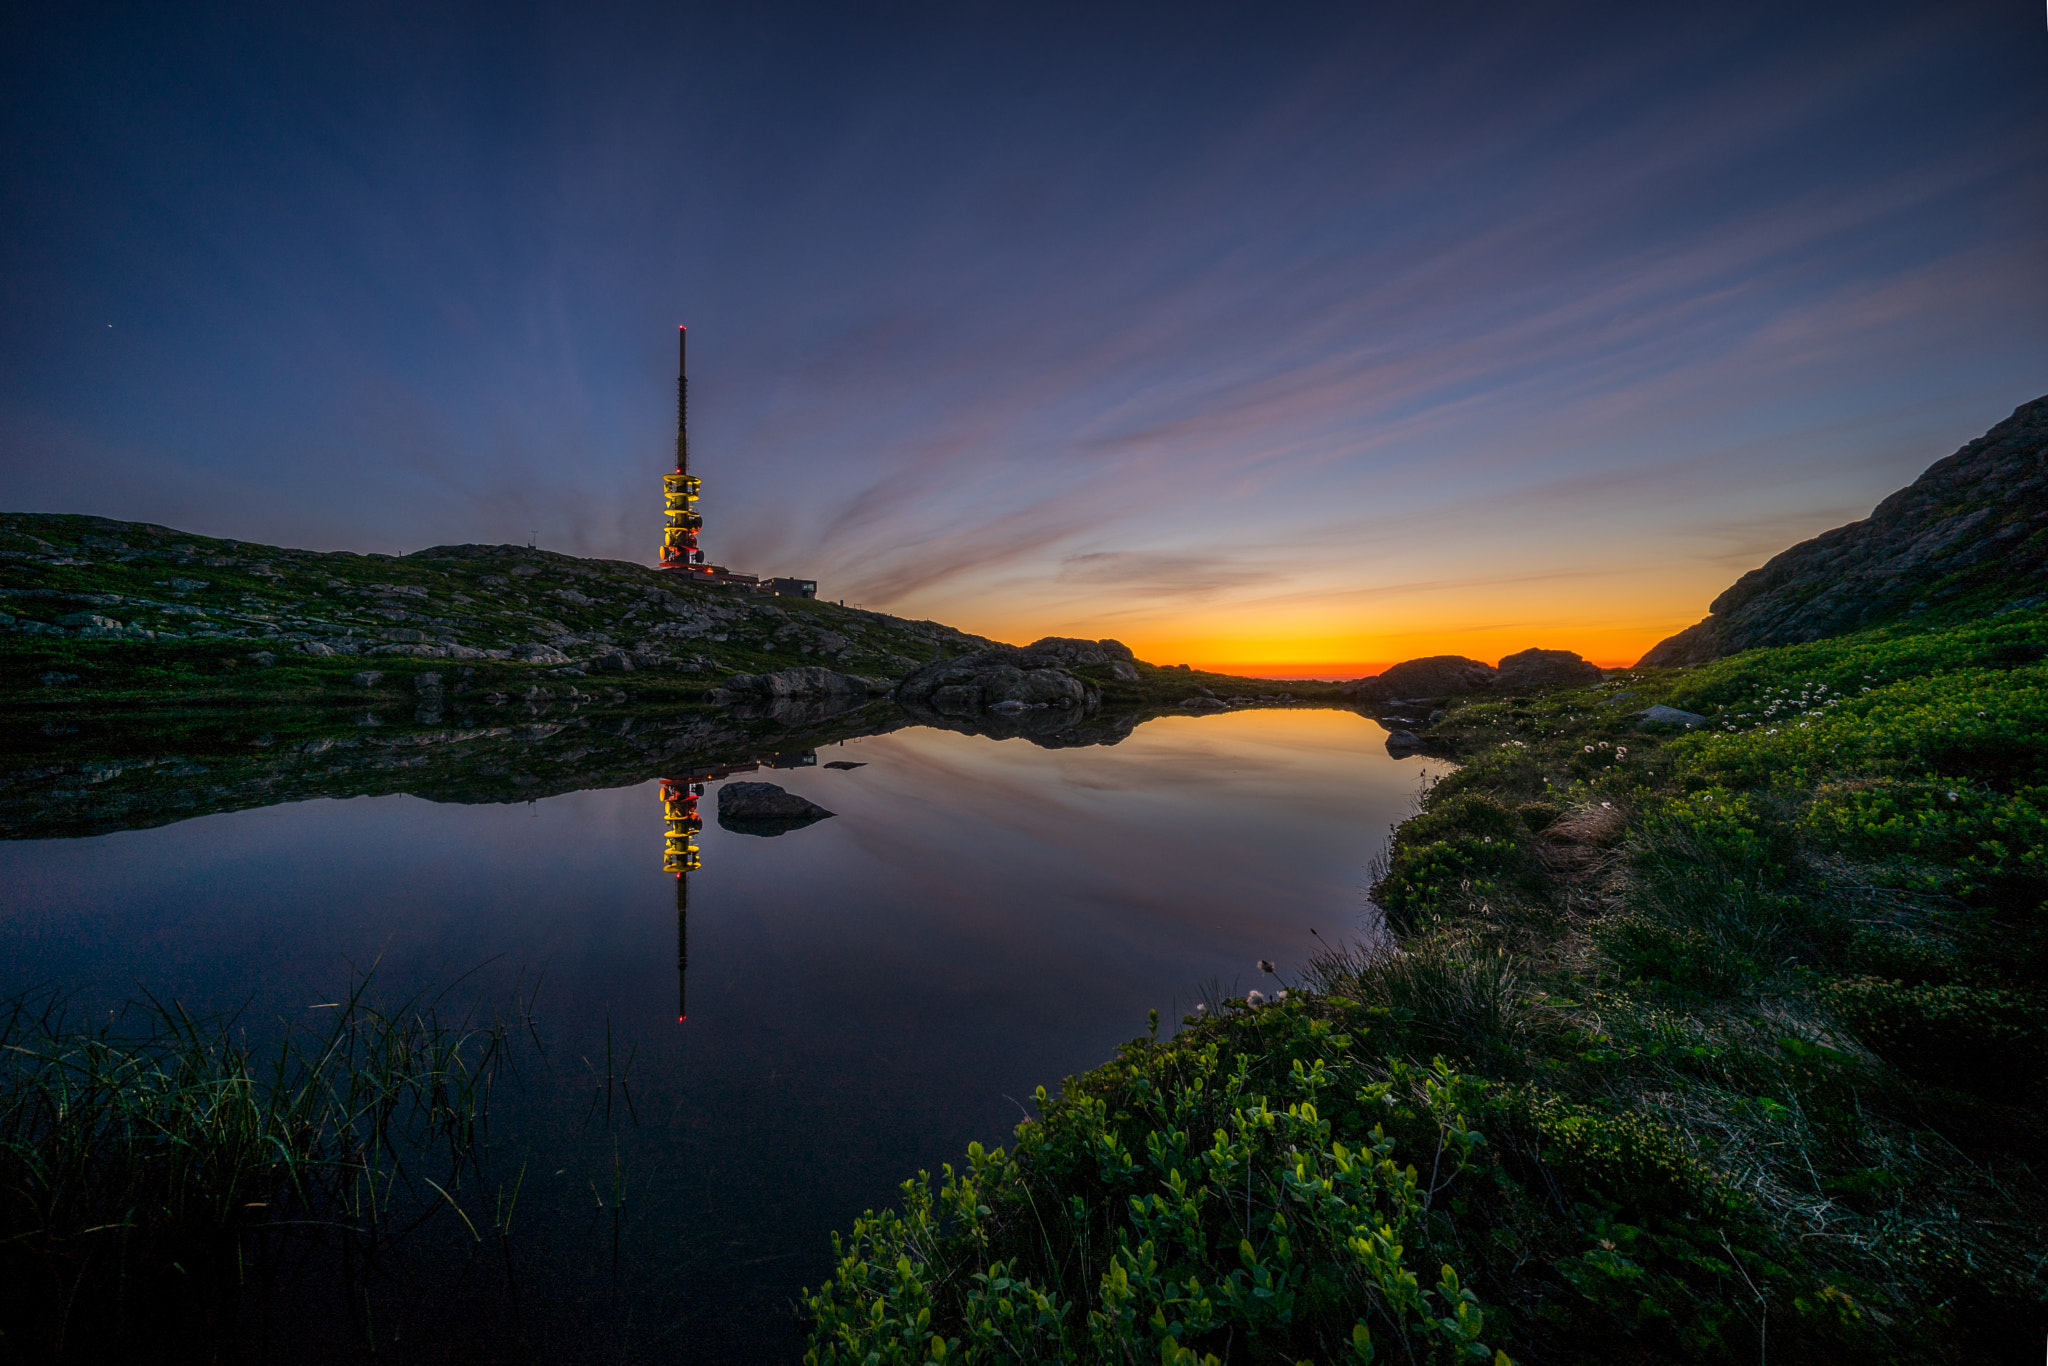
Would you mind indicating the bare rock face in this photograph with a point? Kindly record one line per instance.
(1530, 670)
(1053, 651)
(1430, 677)
(1031, 676)
(1976, 522)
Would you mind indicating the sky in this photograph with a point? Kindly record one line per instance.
(1285, 338)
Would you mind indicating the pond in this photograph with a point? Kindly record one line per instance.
(865, 994)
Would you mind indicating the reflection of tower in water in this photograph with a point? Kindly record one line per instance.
(679, 856)
(681, 825)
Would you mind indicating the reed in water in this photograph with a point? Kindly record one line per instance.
(161, 1175)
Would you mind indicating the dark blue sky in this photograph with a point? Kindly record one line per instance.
(1250, 333)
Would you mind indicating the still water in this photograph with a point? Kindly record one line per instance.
(865, 995)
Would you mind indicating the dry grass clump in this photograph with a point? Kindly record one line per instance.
(1441, 996)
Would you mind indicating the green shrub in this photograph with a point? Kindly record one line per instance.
(1439, 873)
(1684, 956)
(1738, 831)
(1627, 1161)
(1912, 960)
(1451, 813)
(1984, 833)
(1974, 1037)
(1171, 1206)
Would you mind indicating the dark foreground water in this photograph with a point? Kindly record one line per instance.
(865, 995)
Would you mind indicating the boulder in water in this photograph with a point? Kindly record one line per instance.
(1402, 743)
(765, 809)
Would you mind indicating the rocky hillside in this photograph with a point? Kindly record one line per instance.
(98, 614)
(69, 580)
(1970, 536)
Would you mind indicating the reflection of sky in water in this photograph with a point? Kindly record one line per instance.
(866, 994)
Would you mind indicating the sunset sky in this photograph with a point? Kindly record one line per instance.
(1283, 338)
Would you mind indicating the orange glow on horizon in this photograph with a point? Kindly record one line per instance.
(1332, 622)
(1327, 654)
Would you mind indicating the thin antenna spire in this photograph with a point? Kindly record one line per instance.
(682, 400)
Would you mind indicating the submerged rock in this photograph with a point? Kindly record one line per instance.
(765, 809)
(1402, 743)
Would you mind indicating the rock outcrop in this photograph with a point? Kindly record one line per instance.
(1430, 677)
(1976, 523)
(1034, 675)
(1533, 669)
(1052, 651)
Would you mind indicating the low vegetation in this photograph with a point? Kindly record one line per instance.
(1720, 1042)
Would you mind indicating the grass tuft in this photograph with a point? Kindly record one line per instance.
(159, 1174)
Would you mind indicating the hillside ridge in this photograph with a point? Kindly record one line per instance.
(92, 578)
(1965, 537)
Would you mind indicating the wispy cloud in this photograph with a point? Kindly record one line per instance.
(1073, 317)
